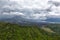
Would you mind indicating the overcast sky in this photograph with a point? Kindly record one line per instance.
(30, 9)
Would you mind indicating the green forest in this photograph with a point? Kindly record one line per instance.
(10, 31)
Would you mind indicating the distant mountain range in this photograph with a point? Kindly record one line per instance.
(23, 21)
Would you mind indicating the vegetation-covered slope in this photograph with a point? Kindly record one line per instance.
(17, 32)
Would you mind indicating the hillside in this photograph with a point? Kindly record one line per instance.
(10, 31)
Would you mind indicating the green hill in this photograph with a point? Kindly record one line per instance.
(17, 32)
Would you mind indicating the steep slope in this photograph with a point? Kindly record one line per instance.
(17, 32)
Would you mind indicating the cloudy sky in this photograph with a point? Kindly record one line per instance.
(36, 10)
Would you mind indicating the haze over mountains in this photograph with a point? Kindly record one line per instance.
(32, 10)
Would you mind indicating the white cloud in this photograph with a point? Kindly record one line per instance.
(14, 13)
(39, 16)
(56, 0)
(27, 9)
(53, 15)
(32, 3)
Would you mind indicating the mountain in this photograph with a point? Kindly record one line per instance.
(10, 31)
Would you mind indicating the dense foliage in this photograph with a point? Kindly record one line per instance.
(17, 32)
